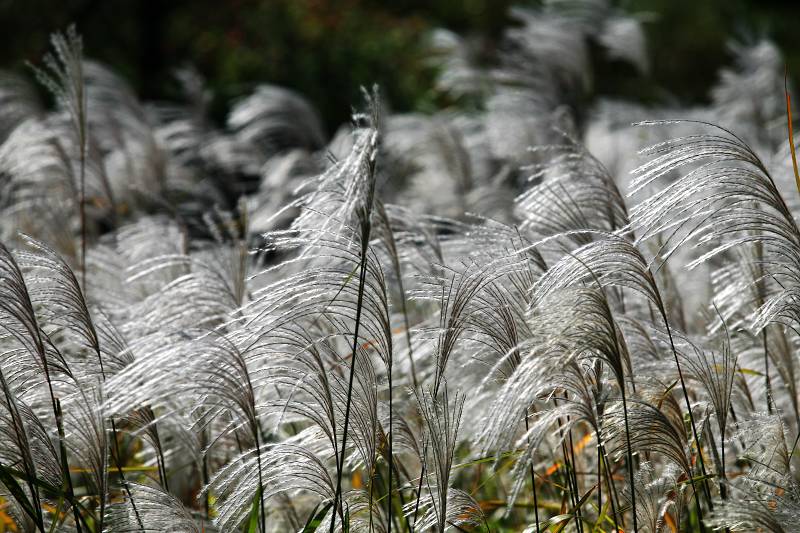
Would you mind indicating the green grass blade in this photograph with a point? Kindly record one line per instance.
(316, 517)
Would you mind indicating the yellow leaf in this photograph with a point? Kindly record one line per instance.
(355, 480)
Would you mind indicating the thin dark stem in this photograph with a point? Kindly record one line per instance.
(419, 486)
(261, 521)
(570, 479)
(794, 446)
(692, 423)
(162, 463)
(573, 471)
(391, 438)
(371, 487)
(630, 460)
(395, 520)
(767, 382)
(116, 457)
(533, 483)
(340, 460)
(599, 481)
(573, 491)
(611, 487)
(721, 458)
(64, 461)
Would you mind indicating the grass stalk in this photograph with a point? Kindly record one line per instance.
(630, 461)
(692, 424)
(533, 481)
(366, 228)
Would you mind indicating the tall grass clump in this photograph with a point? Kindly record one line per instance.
(519, 313)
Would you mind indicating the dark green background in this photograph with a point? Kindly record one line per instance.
(327, 49)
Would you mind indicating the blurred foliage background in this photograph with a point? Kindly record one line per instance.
(327, 49)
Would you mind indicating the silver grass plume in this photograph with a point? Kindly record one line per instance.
(443, 506)
(64, 78)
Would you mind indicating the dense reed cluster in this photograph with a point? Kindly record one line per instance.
(508, 315)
